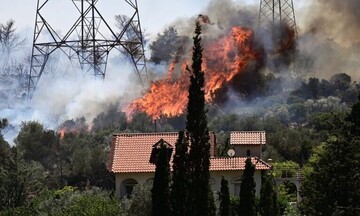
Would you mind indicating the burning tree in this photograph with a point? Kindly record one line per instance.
(232, 61)
(196, 126)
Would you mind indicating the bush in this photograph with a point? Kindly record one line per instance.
(139, 204)
(90, 203)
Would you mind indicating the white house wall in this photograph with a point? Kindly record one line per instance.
(233, 178)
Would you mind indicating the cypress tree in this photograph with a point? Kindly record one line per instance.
(224, 198)
(196, 126)
(179, 187)
(160, 193)
(268, 198)
(247, 205)
(211, 203)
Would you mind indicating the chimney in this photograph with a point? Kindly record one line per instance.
(212, 144)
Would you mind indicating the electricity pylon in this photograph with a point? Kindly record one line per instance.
(88, 41)
(276, 13)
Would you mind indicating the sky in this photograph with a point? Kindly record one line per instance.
(154, 14)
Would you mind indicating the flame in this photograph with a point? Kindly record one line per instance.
(66, 130)
(62, 133)
(222, 60)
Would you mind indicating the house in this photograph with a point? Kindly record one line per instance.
(131, 152)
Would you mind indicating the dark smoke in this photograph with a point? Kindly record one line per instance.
(336, 19)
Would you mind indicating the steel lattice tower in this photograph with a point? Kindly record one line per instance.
(274, 13)
(85, 41)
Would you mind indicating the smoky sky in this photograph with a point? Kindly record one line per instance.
(336, 19)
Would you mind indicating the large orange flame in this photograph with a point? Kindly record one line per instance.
(222, 60)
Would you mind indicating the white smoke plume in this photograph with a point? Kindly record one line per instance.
(67, 93)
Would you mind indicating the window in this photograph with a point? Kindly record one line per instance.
(127, 187)
(248, 153)
(236, 183)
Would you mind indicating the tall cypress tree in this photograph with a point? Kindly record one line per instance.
(247, 205)
(196, 126)
(224, 198)
(160, 193)
(268, 198)
(179, 188)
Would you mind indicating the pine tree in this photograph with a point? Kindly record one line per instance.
(160, 193)
(247, 205)
(224, 198)
(179, 188)
(268, 200)
(196, 126)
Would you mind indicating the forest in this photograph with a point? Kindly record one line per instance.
(311, 123)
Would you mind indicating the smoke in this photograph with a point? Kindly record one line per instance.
(320, 50)
(66, 93)
(336, 19)
(329, 35)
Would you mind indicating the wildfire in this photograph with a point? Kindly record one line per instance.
(66, 129)
(222, 60)
(62, 133)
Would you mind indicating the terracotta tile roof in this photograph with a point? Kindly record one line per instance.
(247, 138)
(130, 153)
(236, 163)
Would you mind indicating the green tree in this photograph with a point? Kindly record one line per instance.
(69, 201)
(211, 203)
(166, 46)
(354, 118)
(268, 198)
(247, 205)
(91, 203)
(18, 180)
(38, 144)
(84, 159)
(196, 126)
(224, 198)
(4, 146)
(140, 203)
(332, 184)
(160, 192)
(141, 122)
(179, 188)
(112, 120)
